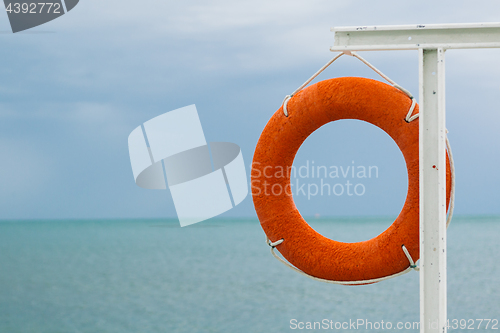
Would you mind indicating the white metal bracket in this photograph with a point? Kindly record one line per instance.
(432, 40)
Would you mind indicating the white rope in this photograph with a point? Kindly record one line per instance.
(354, 54)
(394, 84)
(273, 245)
(287, 97)
(412, 266)
(409, 118)
(410, 259)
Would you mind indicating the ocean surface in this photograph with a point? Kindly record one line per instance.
(216, 276)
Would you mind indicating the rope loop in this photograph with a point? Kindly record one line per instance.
(285, 102)
(273, 245)
(410, 259)
(409, 118)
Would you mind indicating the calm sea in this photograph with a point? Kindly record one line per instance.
(217, 276)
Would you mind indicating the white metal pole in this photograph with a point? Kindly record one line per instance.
(433, 312)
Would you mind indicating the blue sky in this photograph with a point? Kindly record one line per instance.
(73, 89)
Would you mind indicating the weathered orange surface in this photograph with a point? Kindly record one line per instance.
(341, 98)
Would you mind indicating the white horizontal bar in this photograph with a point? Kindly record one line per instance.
(414, 37)
(414, 47)
(418, 26)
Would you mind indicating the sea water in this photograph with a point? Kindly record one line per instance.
(217, 276)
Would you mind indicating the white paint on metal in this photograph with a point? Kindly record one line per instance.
(432, 192)
(390, 47)
(420, 26)
(414, 37)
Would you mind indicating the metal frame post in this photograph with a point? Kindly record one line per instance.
(432, 147)
(431, 41)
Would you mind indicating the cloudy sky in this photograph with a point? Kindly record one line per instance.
(73, 89)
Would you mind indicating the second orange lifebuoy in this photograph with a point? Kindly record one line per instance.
(341, 98)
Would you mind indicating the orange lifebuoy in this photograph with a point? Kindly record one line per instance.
(342, 98)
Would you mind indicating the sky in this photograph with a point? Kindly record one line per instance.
(73, 89)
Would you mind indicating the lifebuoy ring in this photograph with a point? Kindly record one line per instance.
(341, 98)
